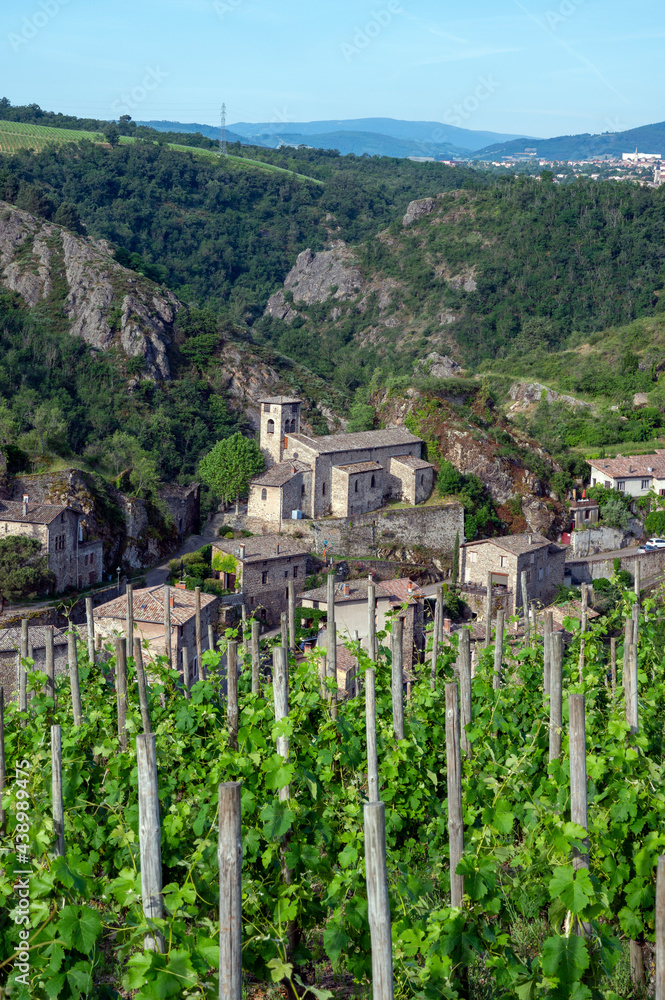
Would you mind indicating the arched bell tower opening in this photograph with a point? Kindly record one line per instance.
(280, 416)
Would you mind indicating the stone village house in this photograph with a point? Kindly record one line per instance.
(76, 563)
(336, 474)
(261, 568)
(505, 558)
(10, 645)
(111, 619)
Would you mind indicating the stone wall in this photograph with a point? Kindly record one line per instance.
(8, 666)
(544, 570)
(271, 595)
(599, 538)
(183, 504)
(90, 560)
(431, 528)
(353, 492)
(652, 567)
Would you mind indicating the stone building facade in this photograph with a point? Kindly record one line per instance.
(506, 558)
(10, 645)
(90, 563)
(183, 504)
(148, 607)
(338, 474)
(56, 527)
(261, 567)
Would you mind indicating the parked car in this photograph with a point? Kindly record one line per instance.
(659, 543)
(648, 547)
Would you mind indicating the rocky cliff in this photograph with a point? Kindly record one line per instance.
(85, 290)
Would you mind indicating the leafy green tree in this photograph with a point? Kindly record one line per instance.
(49, 429)
(24, 568)
(229, 466)
(112, 135)
(614, 514)
(68, 216)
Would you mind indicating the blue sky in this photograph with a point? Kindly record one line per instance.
(544, 67)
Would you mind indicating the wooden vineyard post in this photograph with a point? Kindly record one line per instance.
(370, 726)
(284, 621)
(631, 687)
(232, 693)
(660, 929)
(556, 695)
(256, 658)
(488, 613)
(331, 651)
(613, 666)
(454, 778)
(438, 611)
(199, 639)
(378, 904)
(90, 628)
(371, 621)
(498, 649)
(129, 627)
(229, 857)
(636, 622)
(525, 605)
(72, 656)
(464, 673)
(186, 680)
(578, 777)
(2, 760)
(140, 680)
(22, 669)
(280, 688)
(50, 664)
(211, 637)
(150, 837)
(167, 625)
(547, 651)
(397, 684)
(637, 575)
(243, 626)
(330, 598)
(292, 615)
(121, 689)
(56, 792)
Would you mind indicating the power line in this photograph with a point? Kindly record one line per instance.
(222, 132)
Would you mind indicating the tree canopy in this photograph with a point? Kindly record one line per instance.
(229, 466)
(24, 568)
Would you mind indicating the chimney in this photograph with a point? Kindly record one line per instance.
(25, 505)
(346, 589)
(172, 601)
(446, 625)
(277, 548)
(241, 552)
(574, 494)
(411, 587)
(530, 539)
(293, 470)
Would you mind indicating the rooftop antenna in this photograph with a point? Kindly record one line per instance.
(222, 132)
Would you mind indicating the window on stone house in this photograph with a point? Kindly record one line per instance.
(294, 407)
(528, 576)
(422, 480)
(271, 427)
(295, 572)
(621, 486)
(302, 490)
(372, 482)
(503, 560)
(473, 557)
(323, 489)
(532, 559)
(286, 573)
(266, 407)
(540, 574)
(645, 484)
(607, 484)
(286, 592)
(355, 488)
(264, 494)
(264, 576)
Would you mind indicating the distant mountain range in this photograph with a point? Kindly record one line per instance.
(646, 138)
(373, 136)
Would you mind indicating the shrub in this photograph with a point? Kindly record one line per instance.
(624, 578)
(226, 532)
(602, 585)
(211, 586)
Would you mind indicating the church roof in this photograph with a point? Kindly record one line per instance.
(360, 441)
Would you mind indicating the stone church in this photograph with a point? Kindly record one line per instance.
(336, 475)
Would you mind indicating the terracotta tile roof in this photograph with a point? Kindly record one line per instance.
(10, 638)
(354, 467)
(149, 606)
(38, 513)
(346, 661)
(385, 590)
(261, 547)
(399, 590)
(412, 462)
(278, 475)
(360, 441)
(627, 466)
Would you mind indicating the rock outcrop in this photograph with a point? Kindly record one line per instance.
(316, 277)
(416, 210)
(437, 366)
(105, 304)
(529, 394)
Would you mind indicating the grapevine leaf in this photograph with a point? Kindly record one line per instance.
(630, 922)
(208, 949)
(279, 970)
(277, 819)
(335, 941)
(79, 978)
(79, 927)
(137, 967)
(567, 959)
(319, 994)
(53, 986)
(348, 856)
(573, 887)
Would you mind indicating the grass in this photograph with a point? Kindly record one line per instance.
(623, 448)
(15, 136)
